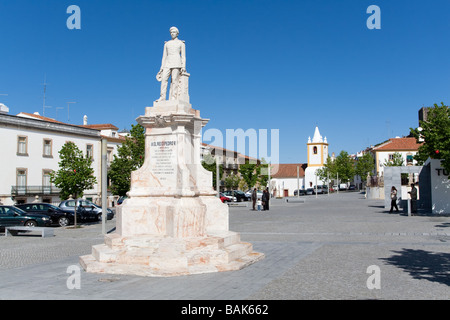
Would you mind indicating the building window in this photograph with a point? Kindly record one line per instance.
(409, 159)
(46, 183)
(22, 146)
(47, 149)
(21, 180)
(90, 151)
(315, 150)
(109, 156)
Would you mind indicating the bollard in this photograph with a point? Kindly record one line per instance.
(409, 207)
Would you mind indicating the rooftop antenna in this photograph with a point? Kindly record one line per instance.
(68, 111)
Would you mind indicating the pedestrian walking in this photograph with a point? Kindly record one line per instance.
(393, 199)
(413, 194)
(254, 198)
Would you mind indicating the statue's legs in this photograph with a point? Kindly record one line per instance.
(175, 75)
(174, 85)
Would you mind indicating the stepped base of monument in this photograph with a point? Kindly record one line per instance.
(158, 256)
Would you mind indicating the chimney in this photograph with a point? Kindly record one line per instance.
(85, 120)
(3, 108)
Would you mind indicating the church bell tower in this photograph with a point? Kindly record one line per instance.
(317, 157)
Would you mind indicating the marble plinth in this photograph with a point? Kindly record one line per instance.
(160, 256)
(172, 224)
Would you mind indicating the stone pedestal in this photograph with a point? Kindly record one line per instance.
(172, 223)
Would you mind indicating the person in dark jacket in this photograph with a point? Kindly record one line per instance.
(265, 199)
(413, 194)
(254, 198)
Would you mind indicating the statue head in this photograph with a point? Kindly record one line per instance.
(174, 32)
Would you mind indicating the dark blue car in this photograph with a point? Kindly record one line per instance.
(12, 216)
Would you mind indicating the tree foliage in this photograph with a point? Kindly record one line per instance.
(75, 174)
(130, 157)
(250, 173)
(342, 166)
(328, 170)
(435, 135)
(232, 181)
(396, 161)
(364, 164)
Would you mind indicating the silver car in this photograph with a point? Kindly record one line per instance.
(87, 209)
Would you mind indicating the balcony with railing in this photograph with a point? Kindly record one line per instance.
(34, 190)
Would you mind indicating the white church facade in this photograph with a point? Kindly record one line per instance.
(317, 157)
(292, 176)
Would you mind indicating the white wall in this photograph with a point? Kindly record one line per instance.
(35, 163)
(384, 157)
(440, 187)
(310, 177)
(286, 183)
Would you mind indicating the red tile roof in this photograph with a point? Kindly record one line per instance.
(38, 117)
(105, 126)
(287, 170)
(399, 144)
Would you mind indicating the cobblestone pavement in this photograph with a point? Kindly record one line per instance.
(318, 249)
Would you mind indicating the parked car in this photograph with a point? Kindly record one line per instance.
(121, 200)
(241, 195)
(225, 198)
(259, 194)
(310, 191)
(88, 210)
(13, 216)
(342, 186)
(319, 190)
(56, 215)
(300, 192)
(352, 187)
(233, 195)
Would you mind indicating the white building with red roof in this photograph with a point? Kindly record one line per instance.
(30, 145)
(407, 147)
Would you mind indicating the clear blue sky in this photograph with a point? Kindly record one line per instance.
(287, 65)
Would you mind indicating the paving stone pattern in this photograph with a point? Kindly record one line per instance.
(316, 250)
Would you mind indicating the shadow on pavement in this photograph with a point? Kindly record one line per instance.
(421, 264)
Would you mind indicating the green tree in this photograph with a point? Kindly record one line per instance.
(396, 161)
(328, 170)
(364, 164)
(232, 181)
(130, 157)
(75, 174)
(435, 135)
(344, 166)
(250, 173)
(263, 178)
